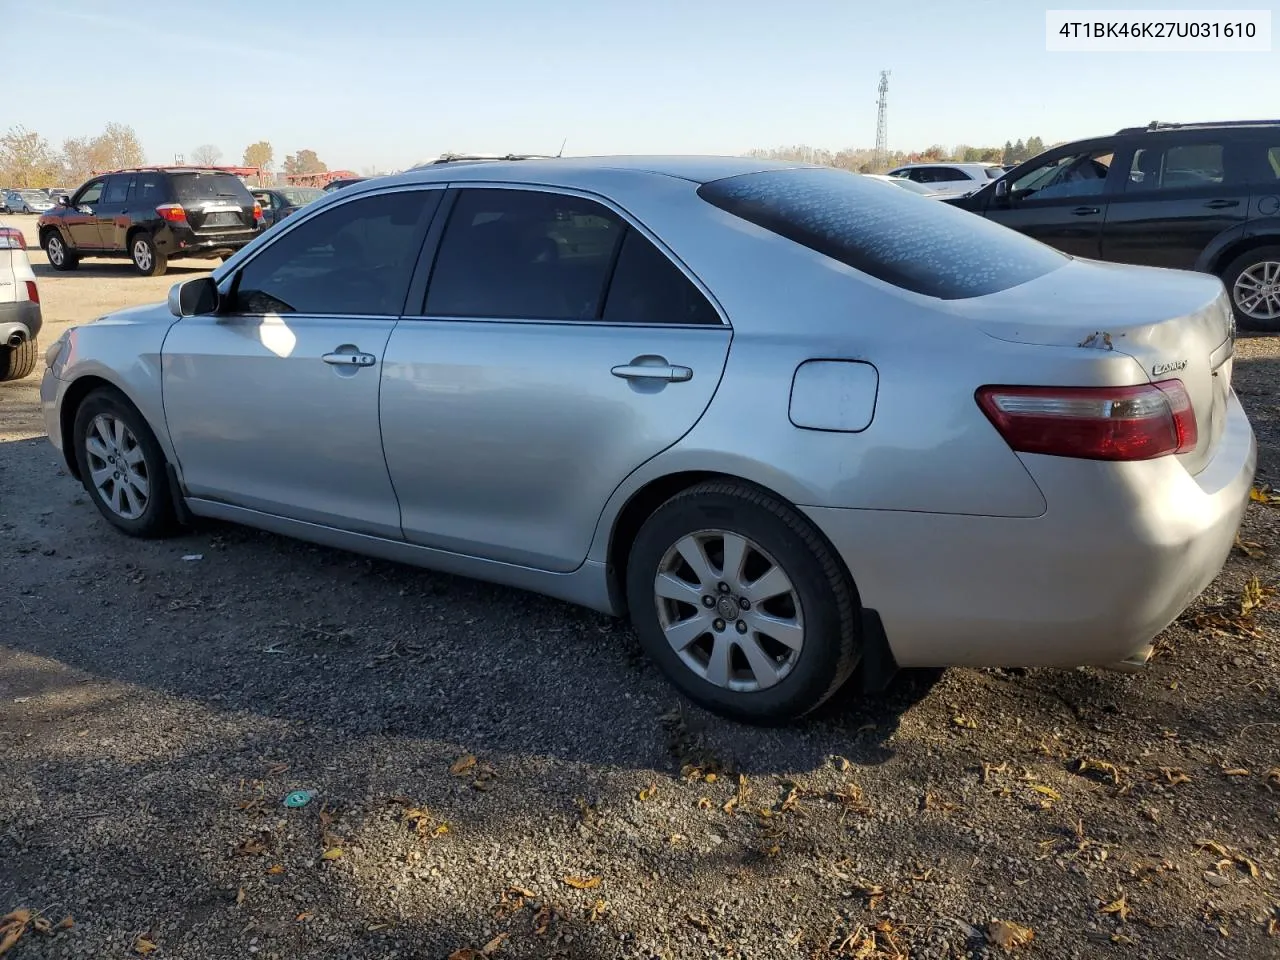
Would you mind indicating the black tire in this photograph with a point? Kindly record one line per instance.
(18, 362)
(147, 260)
(1231, 274)
(157, 518)
(60, 256)
(827, 599)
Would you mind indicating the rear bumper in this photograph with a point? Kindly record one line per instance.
(19, 319)
(186, 243)
(1119, 554)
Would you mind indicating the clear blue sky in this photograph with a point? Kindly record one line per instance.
(390, 82)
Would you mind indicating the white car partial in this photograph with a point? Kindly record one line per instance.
(950, 179)
(19, 307)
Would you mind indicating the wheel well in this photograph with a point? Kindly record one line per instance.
(648, 499)
(1244, 246)
(133, 232)
(71, 401)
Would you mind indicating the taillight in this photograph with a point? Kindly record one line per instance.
(33, 292)
(257, 211)
(11, 239)
(1094, 423)
(172, 212)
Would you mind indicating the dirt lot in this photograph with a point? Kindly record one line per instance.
(501, 772)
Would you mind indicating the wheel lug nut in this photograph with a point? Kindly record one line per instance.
(744, 603)
(723, 588)
(742, 626)
(708, 601)
(719, 626)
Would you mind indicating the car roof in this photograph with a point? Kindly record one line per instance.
(696, 169)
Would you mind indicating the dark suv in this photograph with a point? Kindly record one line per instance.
(151, 215)
(1202, 196)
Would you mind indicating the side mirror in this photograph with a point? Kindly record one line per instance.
(62, 200)
(1002, 190)
(193, 298)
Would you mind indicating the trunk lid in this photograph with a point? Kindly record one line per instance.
(216, 203)
(1177, 325)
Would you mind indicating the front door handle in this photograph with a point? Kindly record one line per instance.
(1084, 211)
(350, 359)
(1222, 204)
(645, 371)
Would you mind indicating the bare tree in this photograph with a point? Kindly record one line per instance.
(26, 159)
(116, 147)
(206, 155)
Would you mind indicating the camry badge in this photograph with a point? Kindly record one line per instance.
(1173, 366)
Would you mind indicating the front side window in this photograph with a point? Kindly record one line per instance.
(1066, 177)
(92, 193)
(933, 249)
(353, 259)
(1173, 167)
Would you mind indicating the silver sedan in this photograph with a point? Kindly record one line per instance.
(795, 425)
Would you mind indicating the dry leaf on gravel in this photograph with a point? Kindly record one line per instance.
(144, 947)
(1089, 765)
(333, 853)
(1271, 779)
(542, 919)
(1252, 550)
(463, 765)
(739, 798)
(12, 926)
(1009, 935)
(989, 768)
(255, 846)
(598, 910)
(1049, 792)
(1236, 772)
(1173, 776)
(240, 896)
(582, 883)
(647, 793)
(1119, 907)
(275, 869)
(303, 917)
(968, 723)
(1262, 494)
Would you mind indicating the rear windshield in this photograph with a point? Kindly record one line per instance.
(210, 186)
(301, 196)
(933, 249)
(995, 173)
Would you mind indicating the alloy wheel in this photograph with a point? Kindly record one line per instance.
(56, 252)
(142, 255)
(1257, 291)
(729, 610)
(117, 466)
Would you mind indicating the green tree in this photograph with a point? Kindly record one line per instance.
(1035, 147)
(1008, 152)
(304, 161)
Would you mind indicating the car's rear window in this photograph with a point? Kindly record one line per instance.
(933, 249)
(210, 186)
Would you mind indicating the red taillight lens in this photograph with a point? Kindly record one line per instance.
(257, 211)
(1094, 423)
(11, 239)
(33, 292)
(172, 212)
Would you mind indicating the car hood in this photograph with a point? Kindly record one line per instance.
(149, 313)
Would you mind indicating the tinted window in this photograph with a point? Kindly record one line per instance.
(117, 189)
(929, 248)
(523, 254)
(1066, 177)
(189, 187)
(1166, 168)
(648, 288)
(354, 258)
(92, 193)
(949, 174)
(148, 188)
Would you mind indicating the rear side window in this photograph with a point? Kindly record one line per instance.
(1177, 167)
(148, 188)
(648, 288)
(190, 187)
(929, 248)
(117, 189)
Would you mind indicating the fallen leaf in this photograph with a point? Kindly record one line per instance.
(1049, 792)
(66, 923)
(1009, 935)
(254, 847)
(598, 910)
(1119, 907)
(276, 869)
(704, 803)
(989, 768)
(276, 769)
(1271, 779)
(1263, 494)
(583, 883)
(41, 925)
(11, 934)
(843, 764)
(465, 953)
(1236, 772)
(1253, 596)
(144, 947)
(648, 793)
(968, 723)
(739, 797)
(1174, 776)
(521, 892)
(710, 778)
(240, 896)
(542, 920)
(1087, 765)
(1213, 847)
(463, 764)
(303, 917)
(492, 947)
(333, 853)
(1252, 550)
(1249, 866)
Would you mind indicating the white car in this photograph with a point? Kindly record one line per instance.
(908, 185)
(950, 179)
(19, 307)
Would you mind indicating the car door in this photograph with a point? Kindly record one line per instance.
(1179, 194)
(112, 212)
(272, 402)
(558, 349)
(1061, 199)
(81, 218)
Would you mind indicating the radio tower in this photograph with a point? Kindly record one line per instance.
(882, 123)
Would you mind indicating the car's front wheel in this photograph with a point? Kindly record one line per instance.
(742, 603)
(1253, 281)
(147, 260)
(122, 465)
(60, 258)
(18, 362)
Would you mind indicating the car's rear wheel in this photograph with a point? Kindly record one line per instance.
(742, 603)
(60, 258)
(148, 261)
(18, 362)
(122, 466)
(1253, 281)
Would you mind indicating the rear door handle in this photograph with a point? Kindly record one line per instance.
(1084, 211)
(1222, 204)
(350, 359)
(642, 371)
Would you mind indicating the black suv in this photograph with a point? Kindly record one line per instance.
(1201, 196)
(151, 215)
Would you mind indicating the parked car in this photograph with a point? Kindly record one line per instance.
(20, 318)
(950, 179)
(56, 192)
(909, 185)
(1202, 196)
(935, 441)
(333, 185)
(278, 202)
(28, 201)
(152, 215)
(4, 202)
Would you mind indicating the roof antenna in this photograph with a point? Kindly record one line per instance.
(562, 143)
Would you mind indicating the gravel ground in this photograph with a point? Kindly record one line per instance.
(503, 775)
